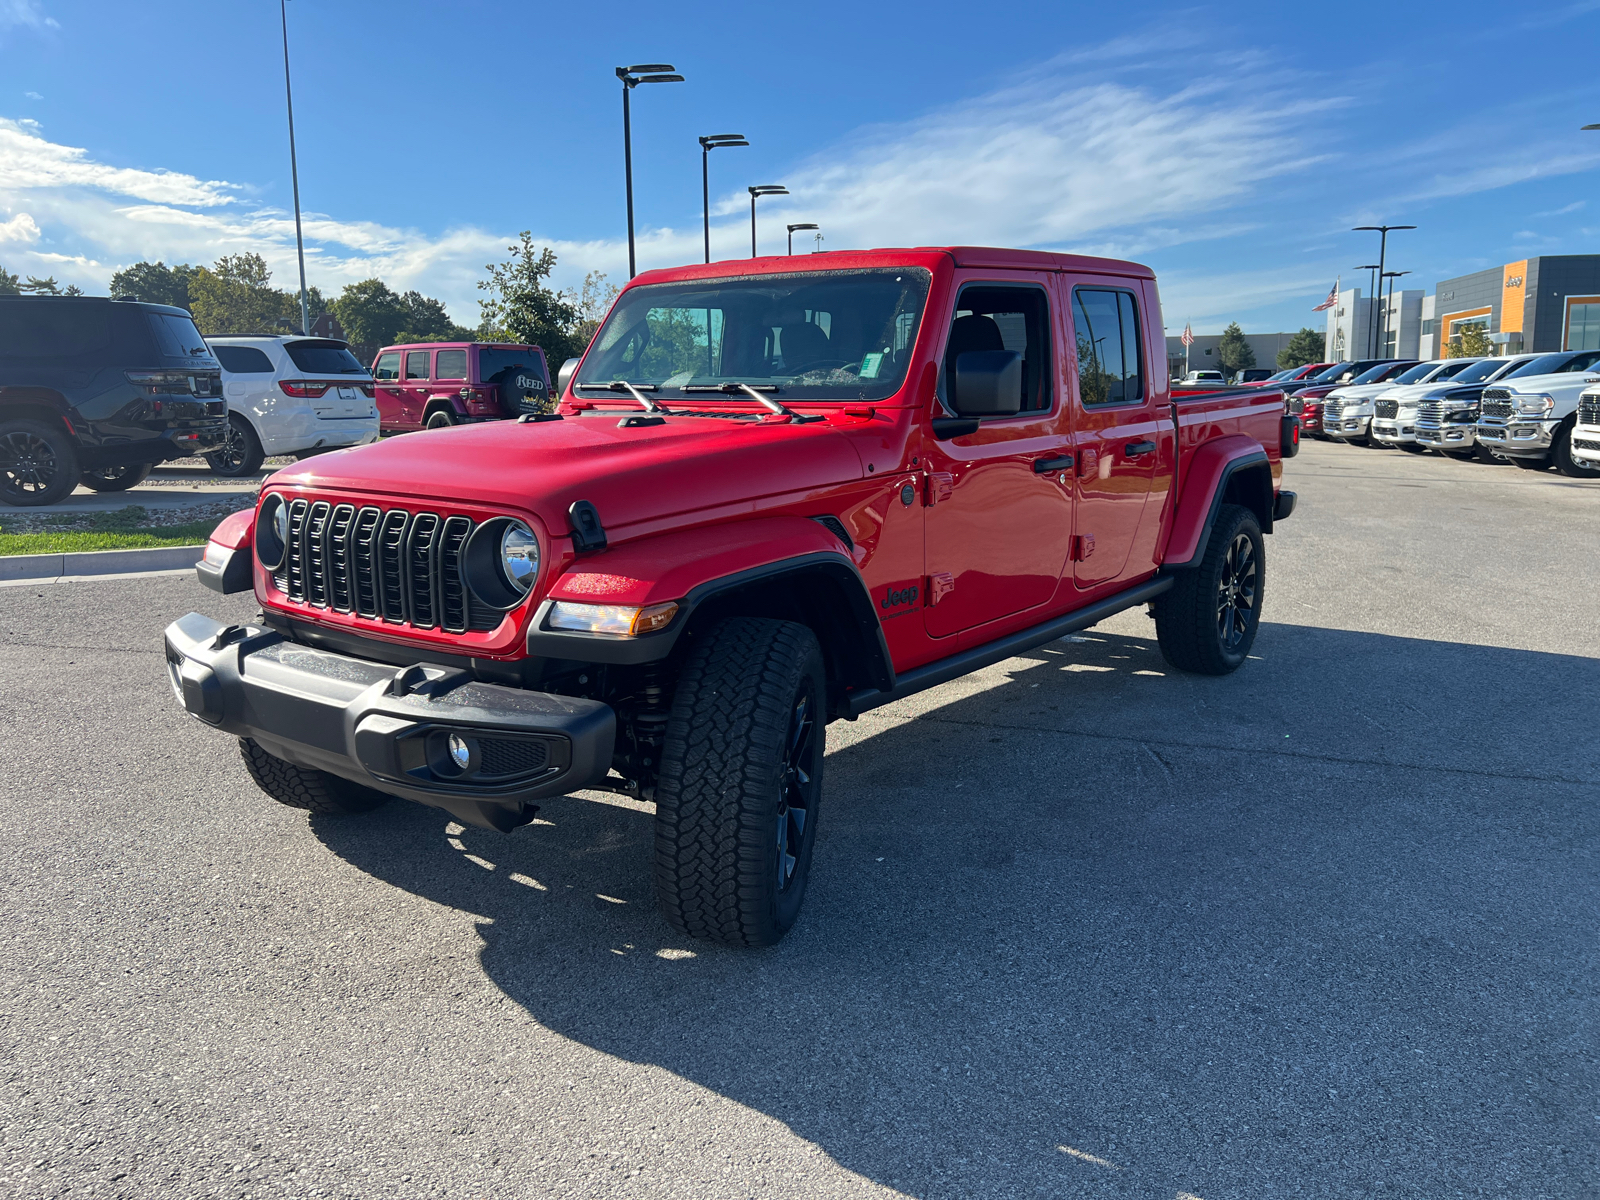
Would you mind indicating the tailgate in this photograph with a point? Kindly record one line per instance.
(342, 401)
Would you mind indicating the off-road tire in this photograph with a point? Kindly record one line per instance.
(440, 418)
(1561, 457)
(302, 787)
(723, 817)
(38, 463)
(116, 479)
(1190, 615)
(241, 454)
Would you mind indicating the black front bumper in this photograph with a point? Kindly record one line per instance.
(388, 728)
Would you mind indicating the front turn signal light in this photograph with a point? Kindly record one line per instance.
(618, 620)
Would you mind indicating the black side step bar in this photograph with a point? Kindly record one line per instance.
(964, 662)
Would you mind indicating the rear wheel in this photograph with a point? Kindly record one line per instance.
(1207, 621)
(116, 479)
(302, 787)
(241, 454)
(740, 782)
(440, 418)
(38, 463)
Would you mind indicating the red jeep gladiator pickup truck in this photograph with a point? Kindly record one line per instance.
(775, 493)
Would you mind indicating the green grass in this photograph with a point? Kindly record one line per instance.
(124, 529)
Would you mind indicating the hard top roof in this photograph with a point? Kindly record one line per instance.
(14, 298)
(461, 346)
(919, 256)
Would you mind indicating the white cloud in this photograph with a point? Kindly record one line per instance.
(24, 14)
(20, 228)
(33, 95)
(28, 161)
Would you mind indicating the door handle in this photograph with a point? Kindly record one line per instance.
(1043, 466)
(1134, 449)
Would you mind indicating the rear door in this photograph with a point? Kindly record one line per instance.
(414, 385)
(1117, 428)
(999, 519)
(386, 381)
(248, 378)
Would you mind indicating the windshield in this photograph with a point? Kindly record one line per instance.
(1375, 374)
(1553, 364)
(1277, 375)
(493, 361)
(824, 335)
(1417, 373)
(1332, 373)
(1451, 370)
(324, 358)
(1479, 371)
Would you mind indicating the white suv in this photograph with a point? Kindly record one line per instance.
(290, 394)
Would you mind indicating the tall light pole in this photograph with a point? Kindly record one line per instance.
(294, 173)
(791, 229)
(1383, 245)
(1372, 282)
(1391, 276)
(631, 78)
(709, 143)
(764, 189)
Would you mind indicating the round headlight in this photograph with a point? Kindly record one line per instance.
(272, 531)
(519, 556)
(500, 563)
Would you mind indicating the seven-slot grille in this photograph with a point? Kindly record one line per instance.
(1387, 409)
(1496, 402)
(389, 565)
(1589, 408)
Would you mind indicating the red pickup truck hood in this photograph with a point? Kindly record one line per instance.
(648, 473)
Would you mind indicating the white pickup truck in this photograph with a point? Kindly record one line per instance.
(1586, 432)
(1531, 418)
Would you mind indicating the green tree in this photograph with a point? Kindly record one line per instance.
(592, 301)
(155, 283)
(1469, 341)
(41, 287)
(236, 296)
(1233, 352)
(373, 313)
(1307, 346)
(522, 307)
(9, 284)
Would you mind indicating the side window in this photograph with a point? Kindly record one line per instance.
(242, 360)
(452, 364)
(51, 329)
(1110, 367)
(387, 368)
(998, 317)
(417, 364)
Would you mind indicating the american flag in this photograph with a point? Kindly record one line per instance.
(1333, 298)
(1188, 335)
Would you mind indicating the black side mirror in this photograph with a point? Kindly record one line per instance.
(987, 383)
(564, 376)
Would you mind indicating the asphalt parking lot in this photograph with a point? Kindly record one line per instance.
(1078, 926)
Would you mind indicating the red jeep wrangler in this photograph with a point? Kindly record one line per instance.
(772, 496)
(433, 385)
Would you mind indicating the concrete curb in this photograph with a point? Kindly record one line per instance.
(99, 562)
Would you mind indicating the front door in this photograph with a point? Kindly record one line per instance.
(1118, 435)
(999, 520)
(386, 384)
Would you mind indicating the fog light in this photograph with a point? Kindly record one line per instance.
(460, 751)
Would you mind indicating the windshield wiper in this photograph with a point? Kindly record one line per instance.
(635, 390)
(754, 392)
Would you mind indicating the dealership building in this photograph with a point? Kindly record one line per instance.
(1536, 305)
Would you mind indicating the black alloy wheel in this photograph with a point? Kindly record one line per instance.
(798, 788)
(116, 479)
(1236, 593)
(240, 453)
(38, 463)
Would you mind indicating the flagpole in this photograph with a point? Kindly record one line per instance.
(1187, 343)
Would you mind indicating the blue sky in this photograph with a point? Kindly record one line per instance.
(1230, 147)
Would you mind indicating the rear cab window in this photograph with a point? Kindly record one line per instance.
(1110, 365)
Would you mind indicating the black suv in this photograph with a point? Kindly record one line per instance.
(98, 391)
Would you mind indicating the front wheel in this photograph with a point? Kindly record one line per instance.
(1561, 456)
(302, 787)
(740, 782)
(116, 479)
(1207, 621)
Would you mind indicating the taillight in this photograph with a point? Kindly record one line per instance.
(368, 390)
(304, 388)
(159, 383)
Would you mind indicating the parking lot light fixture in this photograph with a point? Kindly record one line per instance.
(713, 141)
(791, 229)
(1592, 126)
(1383, 248)
(763, 189)
(1391, 276)
(631, 78)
